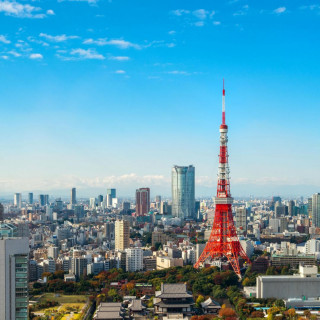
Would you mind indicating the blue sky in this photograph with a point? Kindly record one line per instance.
(98, 94)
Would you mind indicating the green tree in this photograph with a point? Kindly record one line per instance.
(199, 300)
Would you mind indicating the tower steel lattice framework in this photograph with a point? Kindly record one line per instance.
(223, 241)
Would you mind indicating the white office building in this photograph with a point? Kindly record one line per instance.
(14, 278)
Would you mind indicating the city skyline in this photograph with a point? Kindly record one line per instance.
(90, 94)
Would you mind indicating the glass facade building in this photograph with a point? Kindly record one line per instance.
(183, 192)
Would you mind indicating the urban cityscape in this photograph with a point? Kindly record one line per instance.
(174, 176)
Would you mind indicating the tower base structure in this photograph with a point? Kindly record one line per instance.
(223, 241)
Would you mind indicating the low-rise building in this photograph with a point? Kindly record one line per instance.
(305, 285)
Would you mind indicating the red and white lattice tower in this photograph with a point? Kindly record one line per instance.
(223, 241)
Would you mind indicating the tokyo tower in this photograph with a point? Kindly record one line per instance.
(223, 241)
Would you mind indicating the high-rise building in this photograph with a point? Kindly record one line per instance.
(122, 234)
(14, 278)
(111, 194)
(78, 212)
(17, 200)
(125, 206)
(291, 207)
(109, 230)
(109, 200)
(241, 218)
(316, 210)
(43, 199)
(310, 207)
(142, 201)
(73, 196)
(1, 212)
(79, 266)
(183, 192)
(100, 199)
(134, 259)
(30, 198)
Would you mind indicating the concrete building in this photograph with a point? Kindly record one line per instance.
(142, 201)
(14, 300)
(305, 285)
(122, 234)
(167, 262)
(79, 266)
(241, 219)
(134, 259)
(183, 192)
(293, 260)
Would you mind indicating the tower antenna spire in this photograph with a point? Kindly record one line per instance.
(223, 105)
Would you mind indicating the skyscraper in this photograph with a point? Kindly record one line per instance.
(183, 192)
(14, 278)
(142, 201)
(111, 194)
(42, 202)
(30, 198)
(122, 234)
(73, 196)
(316, 210)
(1, 212)
(17, 200)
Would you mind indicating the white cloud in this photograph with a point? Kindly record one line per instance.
(199, 24)
(50, 12)
(87, 54)
(172, 32)
(58, 38)
(3, 39)
(88, 1)
(120, 58)
(16, 9)
(120, 72)
(36, 56)
(280, 10)
(4, 57)
(200, 14)
(14, 53)
(180, 12)
(120, 43)
(178, 72)
(216, 23)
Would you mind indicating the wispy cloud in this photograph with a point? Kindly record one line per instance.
(87, 54)
(200, 14)
(243, 11)
(14, 53)
(195, 17)
(179, 72)
(4, 39)
(57, 38)
(180, 12)
(92, 2)
(120, 72)
(36, 56)
(19, 10)
(120, 43)
(280, 10)
(120, 58)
